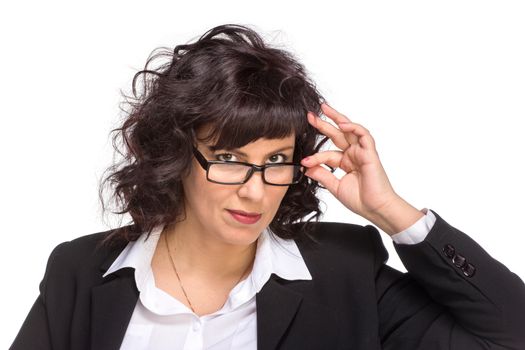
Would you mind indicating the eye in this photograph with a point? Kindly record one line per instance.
(226, 157)
(277, 158)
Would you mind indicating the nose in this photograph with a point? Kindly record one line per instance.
(254, 188)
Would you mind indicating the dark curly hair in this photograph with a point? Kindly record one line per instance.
(231, 80)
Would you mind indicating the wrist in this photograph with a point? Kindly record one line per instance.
(396, 216)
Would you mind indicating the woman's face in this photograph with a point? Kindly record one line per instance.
(217, 212)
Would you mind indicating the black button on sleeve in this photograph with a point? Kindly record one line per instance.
(469, 270)
(459, 260)
(449, 251)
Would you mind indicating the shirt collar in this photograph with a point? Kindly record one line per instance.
(137, 255)
(274, 255)
(278, 256)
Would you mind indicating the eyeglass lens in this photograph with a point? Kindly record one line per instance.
(236, 173)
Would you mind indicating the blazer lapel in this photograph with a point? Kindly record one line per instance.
(112, 304)
(276, 308)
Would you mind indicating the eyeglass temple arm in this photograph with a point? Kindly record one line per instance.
(200, 158)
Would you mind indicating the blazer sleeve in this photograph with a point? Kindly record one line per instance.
(35, 331)
(454, 296)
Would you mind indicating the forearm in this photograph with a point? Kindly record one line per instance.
(483, 297)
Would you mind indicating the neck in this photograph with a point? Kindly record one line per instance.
(198, 254)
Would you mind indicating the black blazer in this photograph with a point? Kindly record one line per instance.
(455, 296)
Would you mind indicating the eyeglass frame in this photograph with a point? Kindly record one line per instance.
(205, 164)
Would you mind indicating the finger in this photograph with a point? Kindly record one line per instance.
(333, 114)
(359, 129)
(333, 159)
(361, 134)
(330, 158)
(324, 177)
(327, 129)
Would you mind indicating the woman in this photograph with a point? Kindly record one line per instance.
(221, 165)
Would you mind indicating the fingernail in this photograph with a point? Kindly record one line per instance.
(306, 159)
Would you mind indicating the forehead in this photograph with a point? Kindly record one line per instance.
(209, 137)
(260, 145)
(241, 127)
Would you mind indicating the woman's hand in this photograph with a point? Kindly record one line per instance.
(365, 188)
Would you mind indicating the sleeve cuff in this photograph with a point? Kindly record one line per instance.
(418, 231)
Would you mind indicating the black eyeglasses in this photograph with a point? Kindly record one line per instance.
(237, 173)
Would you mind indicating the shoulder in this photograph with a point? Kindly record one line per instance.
(340, 236)
(86, 247)
(330, 244)
(85, 255)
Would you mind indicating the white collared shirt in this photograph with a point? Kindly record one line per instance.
(160, 321)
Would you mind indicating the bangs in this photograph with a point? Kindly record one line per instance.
(244, 120)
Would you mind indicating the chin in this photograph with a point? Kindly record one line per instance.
(242, 236)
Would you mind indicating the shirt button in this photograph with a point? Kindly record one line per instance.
(196, 326)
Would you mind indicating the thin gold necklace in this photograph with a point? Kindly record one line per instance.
(180, 281)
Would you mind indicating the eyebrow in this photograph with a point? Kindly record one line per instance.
(285, 148)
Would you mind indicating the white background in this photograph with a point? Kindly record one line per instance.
(440, 85)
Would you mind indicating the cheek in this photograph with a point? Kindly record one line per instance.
(275, 197)
(202, 195)
(195, 187)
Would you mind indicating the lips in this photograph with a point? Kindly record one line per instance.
(244, 217)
